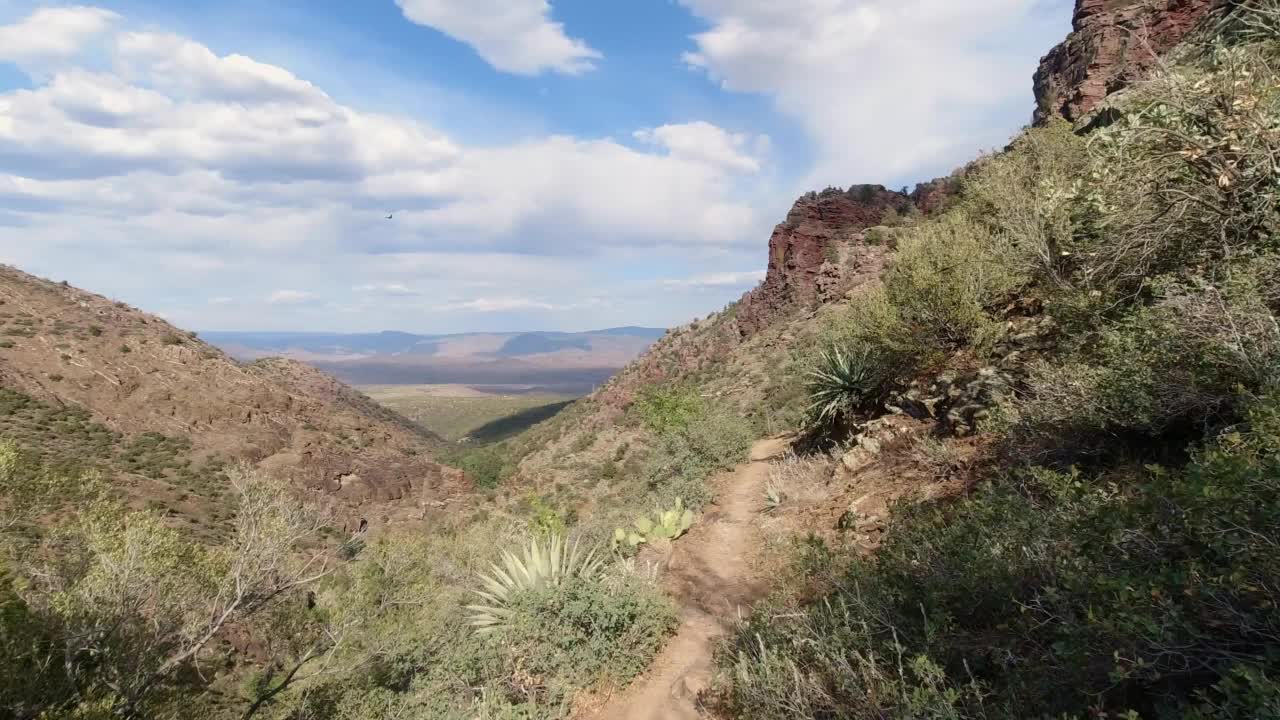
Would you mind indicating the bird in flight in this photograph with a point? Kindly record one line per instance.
(391, 216)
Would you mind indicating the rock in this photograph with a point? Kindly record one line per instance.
(1113, 43)
(802, 245)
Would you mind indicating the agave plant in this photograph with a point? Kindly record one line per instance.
(666, 525)
(773, 498)
(546, 562)
(844, 382)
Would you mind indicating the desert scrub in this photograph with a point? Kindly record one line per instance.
(683, 458)
(946, 276)
(582, 632)
(1136, 589)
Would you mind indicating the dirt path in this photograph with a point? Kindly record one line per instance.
(711, 577)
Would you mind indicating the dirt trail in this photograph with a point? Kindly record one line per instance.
(711, 577)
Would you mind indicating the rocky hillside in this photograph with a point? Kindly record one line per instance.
(137, 380)
(1112, 44)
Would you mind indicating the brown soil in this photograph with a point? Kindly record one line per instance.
(714, 579)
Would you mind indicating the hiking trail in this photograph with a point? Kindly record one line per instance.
(711, 578)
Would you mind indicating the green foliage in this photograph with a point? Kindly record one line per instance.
(488, 465)
(1025, 198)
(546, 562)
(667, 410)
(685, 456)
(665, 525)
(1187, 178)
(847, 382)
(945, 277)
(577, 632)
(1149, 590)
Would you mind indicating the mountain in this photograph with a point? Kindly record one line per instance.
(567, 362)
(165, 412)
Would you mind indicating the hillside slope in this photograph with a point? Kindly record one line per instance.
(136, 375)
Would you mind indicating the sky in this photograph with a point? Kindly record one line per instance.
(473, 165)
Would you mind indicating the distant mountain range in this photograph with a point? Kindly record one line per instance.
(567, 362)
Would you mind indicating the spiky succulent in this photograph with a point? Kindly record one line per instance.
(773, 498)
(546, 562)
(844, 382)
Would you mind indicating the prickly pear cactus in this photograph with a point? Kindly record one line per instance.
(666, 525)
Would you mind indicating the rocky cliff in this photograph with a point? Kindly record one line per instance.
(1113, 42)
(807, 246)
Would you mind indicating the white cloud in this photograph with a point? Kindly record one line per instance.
(497, 304)
(718, 280)
(290, 297)
(515, 36)
(703, 142)
(234, 184)
(888, 89)
(53, 33)
(391, 289)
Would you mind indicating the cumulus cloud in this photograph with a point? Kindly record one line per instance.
(703, 142)
(515, 36)
(51, 34)
(888, 89)
(222, 187)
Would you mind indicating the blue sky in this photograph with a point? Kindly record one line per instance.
(557, 165)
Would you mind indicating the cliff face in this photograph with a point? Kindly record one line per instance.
(818, 225)
(1113, 43)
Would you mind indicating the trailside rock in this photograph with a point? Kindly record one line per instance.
(1114, 43)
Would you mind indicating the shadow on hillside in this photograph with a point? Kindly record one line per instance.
(513, 425)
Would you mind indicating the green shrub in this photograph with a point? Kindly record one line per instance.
(945, 277)
(1188, 360)
(1025, 196)
(488, 465)
(684, 458)
(581, 632)
(1187, 177)
(670, 409)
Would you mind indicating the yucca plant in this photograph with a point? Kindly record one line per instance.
(546, 562)
(844, 382)
(773, 498)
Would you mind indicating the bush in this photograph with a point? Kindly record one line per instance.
(684, 458)
(945, 277)
(671, 409)
(1025, 196)
(1184, 363)
(581, 632)
(1187, 178)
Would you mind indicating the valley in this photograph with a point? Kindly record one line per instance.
(1001, 446)
(463, 413)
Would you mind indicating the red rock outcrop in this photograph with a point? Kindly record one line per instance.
(799, 248)
(1114, 42)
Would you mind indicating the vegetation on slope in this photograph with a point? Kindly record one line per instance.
(1116, 555)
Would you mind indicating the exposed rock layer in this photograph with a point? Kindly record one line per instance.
(816, 227)
(1113, 43)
